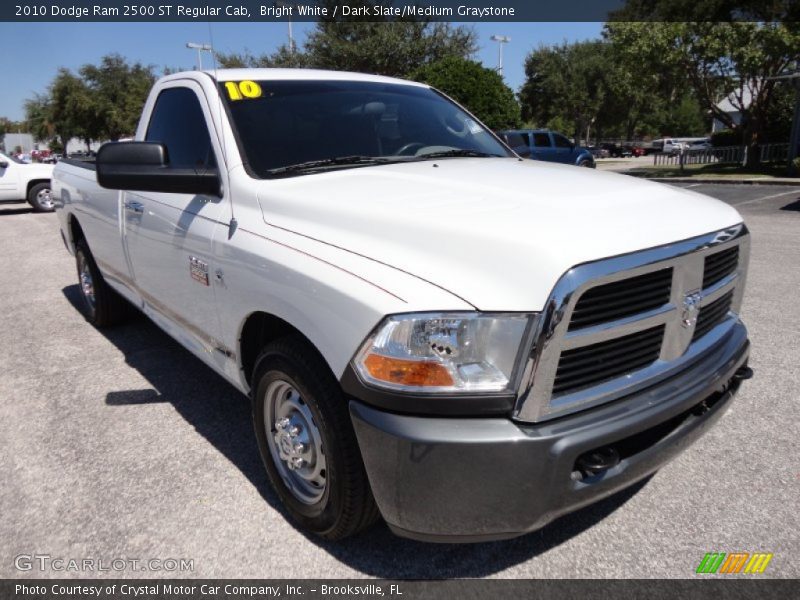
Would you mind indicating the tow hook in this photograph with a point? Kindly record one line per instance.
(743, 373)
(596, 461)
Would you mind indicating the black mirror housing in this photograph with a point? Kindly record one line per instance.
(144, 167)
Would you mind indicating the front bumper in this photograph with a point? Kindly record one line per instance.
(467, 480)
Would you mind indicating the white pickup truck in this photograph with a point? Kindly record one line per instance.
(23, 181)
(430, 329)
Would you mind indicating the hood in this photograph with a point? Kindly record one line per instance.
(496, 232)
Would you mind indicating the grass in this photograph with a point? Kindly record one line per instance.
(713, 171)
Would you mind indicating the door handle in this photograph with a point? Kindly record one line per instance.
(133, 206)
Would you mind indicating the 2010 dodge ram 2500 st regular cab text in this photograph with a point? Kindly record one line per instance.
(430, 328)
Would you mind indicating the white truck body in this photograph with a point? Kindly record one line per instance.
(332, 253)
(17, 180)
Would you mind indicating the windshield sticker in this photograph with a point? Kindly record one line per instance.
(239, 90)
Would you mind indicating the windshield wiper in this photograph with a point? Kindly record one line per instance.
(337, 161)
(455, 153)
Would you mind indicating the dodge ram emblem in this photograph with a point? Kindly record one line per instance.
(691, 307)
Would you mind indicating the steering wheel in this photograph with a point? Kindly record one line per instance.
(456, 132)
(406, 150)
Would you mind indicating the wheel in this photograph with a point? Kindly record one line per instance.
(41, 198)
(102, 305)
(307, 442)
(586, 163)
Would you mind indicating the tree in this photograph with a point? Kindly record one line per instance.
(731, 59)
(567, 83)
(283, 57)
(118, 93)
(394, 48)
(479, 89)
(9, 126)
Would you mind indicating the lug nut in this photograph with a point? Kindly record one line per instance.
(299, 448)
(297, 463)
(282, 424)
(294, 431)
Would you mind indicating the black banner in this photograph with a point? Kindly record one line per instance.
(312, 589)
(379, 10)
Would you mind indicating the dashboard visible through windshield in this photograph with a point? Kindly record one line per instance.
(295, 127)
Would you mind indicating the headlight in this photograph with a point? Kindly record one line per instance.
(444, 352)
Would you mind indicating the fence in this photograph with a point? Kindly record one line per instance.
(722, 155)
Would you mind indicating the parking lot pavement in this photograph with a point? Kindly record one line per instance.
(120, 444)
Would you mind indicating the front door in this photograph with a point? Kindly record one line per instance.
(9, 179)
(168, 237)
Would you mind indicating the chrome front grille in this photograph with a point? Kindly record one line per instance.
(712, 315)
(619, 299)
(589, 365)
(719, 265)
(618, 325)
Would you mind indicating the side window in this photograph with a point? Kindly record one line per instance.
(515, 140)
(561, 141)
(177, 122)
(541, 140)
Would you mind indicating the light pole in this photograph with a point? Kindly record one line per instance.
(500, 39)
(289, 5)
(199, 48)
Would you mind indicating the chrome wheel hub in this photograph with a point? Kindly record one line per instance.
(45, 198)
(295, 442)
(87, 284)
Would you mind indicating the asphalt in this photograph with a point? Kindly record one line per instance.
(120, 444)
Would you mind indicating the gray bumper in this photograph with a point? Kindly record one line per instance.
(465, 480)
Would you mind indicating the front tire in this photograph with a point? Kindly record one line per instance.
(102, 306)
(307, 442)
(40, 198)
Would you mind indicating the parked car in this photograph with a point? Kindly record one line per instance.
(429, 328)
(614, 150)
(637, 150)
(668, 146)
(550, 146)
(700, 145)
(598, 152)
(23, 181)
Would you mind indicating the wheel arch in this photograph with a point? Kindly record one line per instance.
(75, 231)
(260, 328)
(34, 182)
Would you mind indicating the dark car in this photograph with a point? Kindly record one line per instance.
(543, 144)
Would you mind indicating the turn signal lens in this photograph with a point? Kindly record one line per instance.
(407, 372)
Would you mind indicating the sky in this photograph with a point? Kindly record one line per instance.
(33, 52)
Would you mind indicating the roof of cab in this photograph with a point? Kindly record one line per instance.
(292, 74)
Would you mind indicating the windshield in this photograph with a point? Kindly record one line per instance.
(296, 127)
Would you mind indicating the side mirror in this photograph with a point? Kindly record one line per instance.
(144, 167)
(3, 164)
